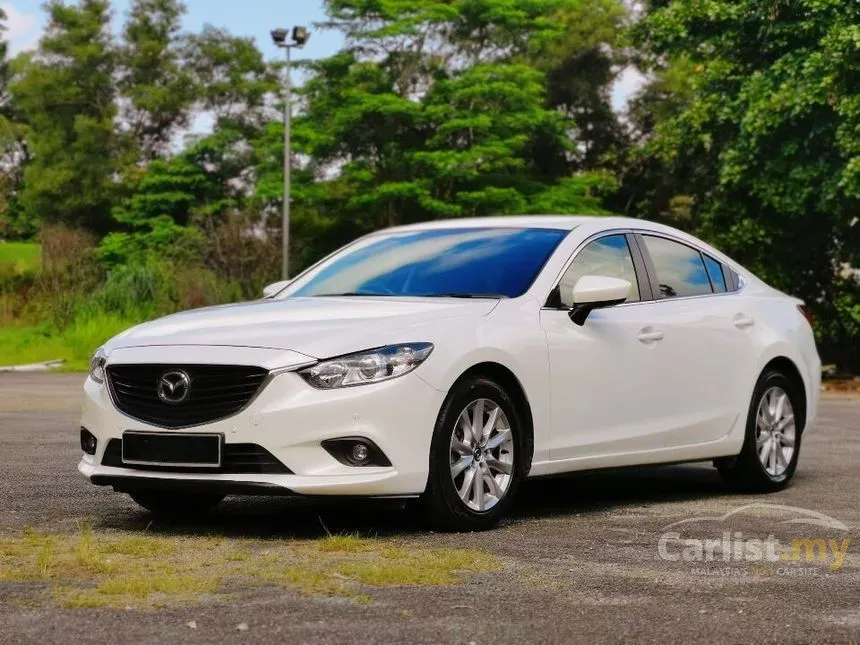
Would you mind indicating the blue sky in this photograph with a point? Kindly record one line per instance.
(254, 18)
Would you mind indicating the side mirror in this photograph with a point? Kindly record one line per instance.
(596, 292)
(275, 288)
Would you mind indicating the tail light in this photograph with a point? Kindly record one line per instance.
(809, 317)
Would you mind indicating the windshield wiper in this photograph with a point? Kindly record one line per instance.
(412, 295)
(462, 295)
(350, 293)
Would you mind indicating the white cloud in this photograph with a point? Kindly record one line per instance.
(22, 30)
(626, 85)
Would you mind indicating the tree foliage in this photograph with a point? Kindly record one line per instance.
(7, 132)
(4, 75)
(444, 109)
(773, 132)
(232, 80)
(67, 96)
(158, 90)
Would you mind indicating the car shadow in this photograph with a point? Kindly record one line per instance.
(596, 491)
(305, 518)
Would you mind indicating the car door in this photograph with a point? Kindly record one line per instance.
(705, 343)
(605, 396)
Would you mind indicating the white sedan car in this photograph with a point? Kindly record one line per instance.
(449, 361)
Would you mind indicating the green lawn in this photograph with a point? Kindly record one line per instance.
(23, 256)
(75, 345)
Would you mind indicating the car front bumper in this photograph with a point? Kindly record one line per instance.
(290, 419)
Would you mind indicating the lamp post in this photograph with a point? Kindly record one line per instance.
(286, 40)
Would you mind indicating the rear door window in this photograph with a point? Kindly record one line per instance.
(680, 269)
(715, 273)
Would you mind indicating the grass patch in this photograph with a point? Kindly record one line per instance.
(345, 544)
(140, 547)
(72, 599)
(22, 257)
(400, 567)
(311, 580)
(396, 574)
(75, 345)
(143, 585)
(90, 569)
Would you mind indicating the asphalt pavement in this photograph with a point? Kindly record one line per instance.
(586, 558)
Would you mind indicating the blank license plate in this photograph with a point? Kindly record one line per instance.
(171, 449)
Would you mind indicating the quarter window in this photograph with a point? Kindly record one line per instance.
(732, 280)
(715, 273)
(680, 269)
(608, 256)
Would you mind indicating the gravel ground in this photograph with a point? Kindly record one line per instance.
(580, 554)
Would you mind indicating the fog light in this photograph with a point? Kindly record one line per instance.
(88, 442)
(356, 451)
(359, 453)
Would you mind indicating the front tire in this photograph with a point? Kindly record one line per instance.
(476, 457)
(174, 505)
(768, 459)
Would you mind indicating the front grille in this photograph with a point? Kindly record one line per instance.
(236, 459)
(215, 392)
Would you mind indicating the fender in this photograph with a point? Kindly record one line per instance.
(527, 357)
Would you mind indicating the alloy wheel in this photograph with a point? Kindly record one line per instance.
(775, 431)
(482, 455)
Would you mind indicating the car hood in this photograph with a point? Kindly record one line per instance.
(317, 327)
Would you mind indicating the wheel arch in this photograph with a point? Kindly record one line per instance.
(509, 381)
(789, 369)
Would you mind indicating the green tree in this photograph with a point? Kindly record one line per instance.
(13, 151)
(438, 109)
(196, 209)
(581, 61)
(653, 186)
(198, 206)
(157, 89)
(4, 73)
(494, 146)
(6, 136)
(66, 94)
(232, 80)
(773, 127)
(156, 216)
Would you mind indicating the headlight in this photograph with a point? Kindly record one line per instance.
(97, 366)
(372, 366)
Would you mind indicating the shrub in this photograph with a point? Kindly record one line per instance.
(69, 272)
(152, 287)
(247, 256)
(17, 294)
(170, 241)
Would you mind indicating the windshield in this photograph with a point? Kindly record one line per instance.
(486, 262)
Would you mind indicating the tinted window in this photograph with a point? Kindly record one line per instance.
(608, 256)
(477, 262)
(680, 270)
(732, 280)
(715, 273)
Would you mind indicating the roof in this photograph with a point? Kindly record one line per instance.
(562, 222)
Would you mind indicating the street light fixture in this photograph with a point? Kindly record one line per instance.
(286, 40)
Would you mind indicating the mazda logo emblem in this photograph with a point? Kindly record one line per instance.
(174, 387)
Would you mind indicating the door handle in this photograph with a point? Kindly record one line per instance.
(649, 335)
(743, 322)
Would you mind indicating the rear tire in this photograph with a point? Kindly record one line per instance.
(475, 467)
(174, 504)
(775, 422)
